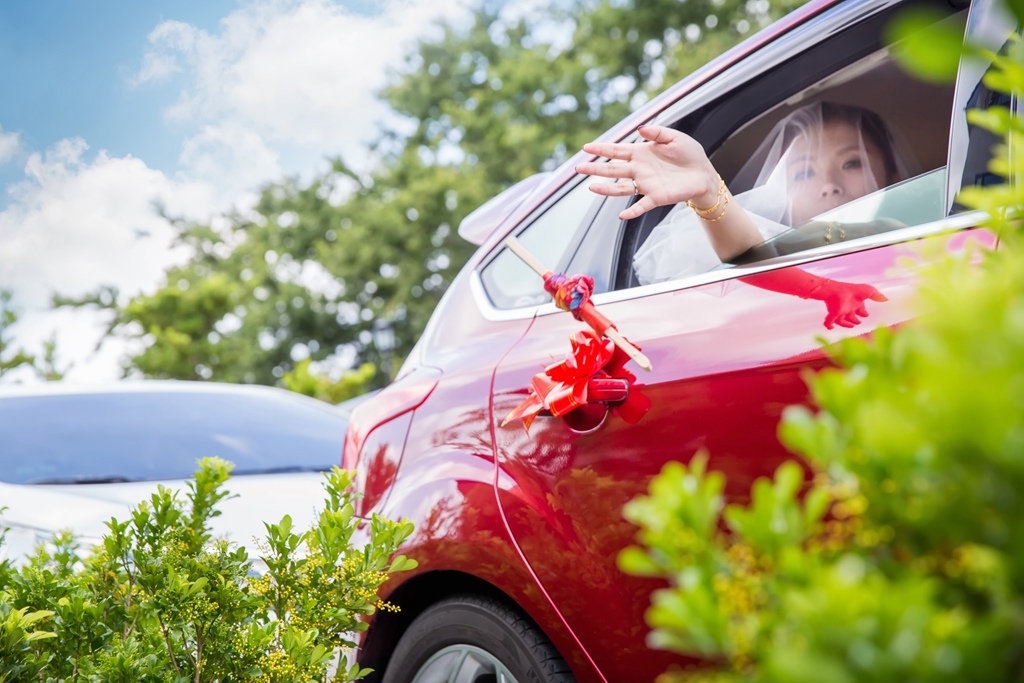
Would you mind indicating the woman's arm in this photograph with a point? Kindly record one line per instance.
(671, 168)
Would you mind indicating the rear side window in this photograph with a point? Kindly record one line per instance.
(508, 281)
(153, 436)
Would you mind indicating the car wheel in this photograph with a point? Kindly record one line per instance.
(474, 639)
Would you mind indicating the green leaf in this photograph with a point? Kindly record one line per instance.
(636, 561)
(925, 46)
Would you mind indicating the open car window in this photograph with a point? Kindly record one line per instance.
(917, 114)
(915, 201)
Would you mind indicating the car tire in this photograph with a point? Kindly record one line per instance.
(483, 635)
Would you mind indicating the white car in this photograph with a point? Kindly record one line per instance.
(72, 457)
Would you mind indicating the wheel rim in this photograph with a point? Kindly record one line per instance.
(463, 664)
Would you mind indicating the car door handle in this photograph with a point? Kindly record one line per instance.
(608, 390)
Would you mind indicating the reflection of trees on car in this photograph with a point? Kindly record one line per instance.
(845, 301)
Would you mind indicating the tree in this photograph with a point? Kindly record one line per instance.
(160, 600)
(349, 266)
(10, 357)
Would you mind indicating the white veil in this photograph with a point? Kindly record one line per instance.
(816, 158)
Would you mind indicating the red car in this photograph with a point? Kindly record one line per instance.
(517, 530)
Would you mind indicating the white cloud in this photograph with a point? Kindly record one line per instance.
(280, 85)
(10, 143)
(77, 222)
(169, 41)
(299, 74)
(232, 159)
(155, 67)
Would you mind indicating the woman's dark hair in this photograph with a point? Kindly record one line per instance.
(871, 126)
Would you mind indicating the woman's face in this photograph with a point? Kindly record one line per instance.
(826, 171)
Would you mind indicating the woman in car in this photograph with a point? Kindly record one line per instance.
(817, 158)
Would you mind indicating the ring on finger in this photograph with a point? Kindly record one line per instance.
(636, 190)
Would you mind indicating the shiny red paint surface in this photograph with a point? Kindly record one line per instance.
(728, 358)
(537, 514)
(399, 398)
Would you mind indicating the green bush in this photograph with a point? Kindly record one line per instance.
(905, 559)
(160, 600)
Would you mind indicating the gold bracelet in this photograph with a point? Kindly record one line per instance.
(725, 205)
(710, 209)
(828, 231)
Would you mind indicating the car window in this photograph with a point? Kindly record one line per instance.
(154, 435)
(508, 281)
(917, 116)
(914, 201)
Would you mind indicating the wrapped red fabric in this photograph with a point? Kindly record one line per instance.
(562, 386)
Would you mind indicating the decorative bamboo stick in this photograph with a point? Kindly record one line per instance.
(601, 325)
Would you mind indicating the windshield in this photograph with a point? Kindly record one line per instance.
(100, 438)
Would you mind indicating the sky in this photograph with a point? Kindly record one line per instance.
(110, 108)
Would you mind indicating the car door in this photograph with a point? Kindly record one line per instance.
(729, 350)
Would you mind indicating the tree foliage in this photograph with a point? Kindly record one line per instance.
(13, 357)
(348, 267)
(10, 357)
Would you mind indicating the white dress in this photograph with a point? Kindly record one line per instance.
(679, 246)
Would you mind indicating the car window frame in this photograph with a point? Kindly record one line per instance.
(987, 23)
(817, 31)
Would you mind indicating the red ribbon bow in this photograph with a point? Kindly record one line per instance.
(562, 387)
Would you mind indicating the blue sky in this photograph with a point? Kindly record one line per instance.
(109, 107)
(65, 69)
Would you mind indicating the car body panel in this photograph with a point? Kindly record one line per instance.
(461, 528)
